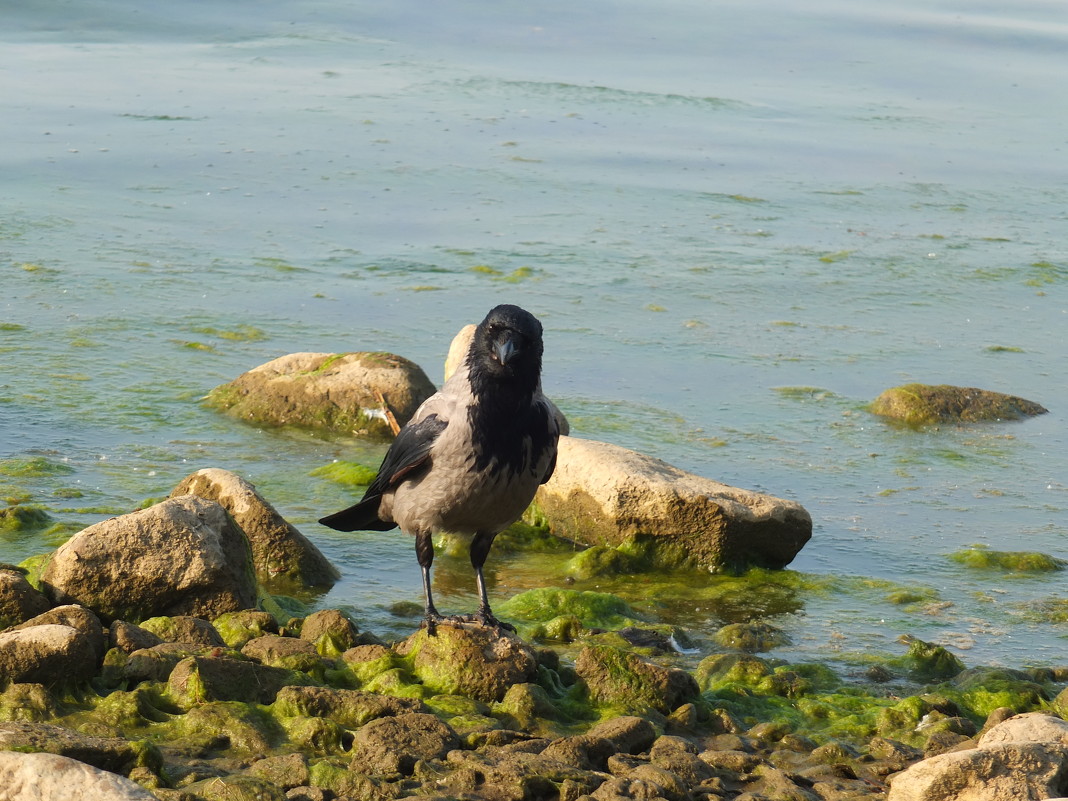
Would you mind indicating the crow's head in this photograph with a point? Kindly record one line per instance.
(507, 347)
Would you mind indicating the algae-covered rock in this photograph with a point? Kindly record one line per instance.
(182, 556)
(719, 670)
(390, 746)
(474, 661)
(237, 628)
(32, 703)
(348, 708)
(107, 753)
(629, 734)
(19, 601)
(927, 661)
(1014, 561)
(290, 653)
(184, 628)
(221, 725)
(602, 494)
(330, 632)
(625, 681)
(349, 393)
(280, 553)
(927, 404)
(592, 609)
(751, 637)
(198, 679)
(49, 776)
(236, 788)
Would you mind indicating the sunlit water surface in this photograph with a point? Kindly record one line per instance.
(739, 222)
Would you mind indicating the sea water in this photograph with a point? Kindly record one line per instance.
(738, 222)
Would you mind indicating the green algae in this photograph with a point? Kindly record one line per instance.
(22, 519)
(224, 726)
(751, 637)
(592, 609)
(348, 474)
(238, 628)
(982, 558)
(920, 405)
(926, 661)
(34, 467)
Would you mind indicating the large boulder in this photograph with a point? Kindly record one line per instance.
(184, 556)
(348, 393)
(42, 777)
(279, 550)
(1023, 757)
(603, 494)
(927, 404)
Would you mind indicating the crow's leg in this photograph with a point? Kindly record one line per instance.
(424, 552)
(480, 547)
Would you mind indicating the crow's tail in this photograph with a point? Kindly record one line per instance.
(360, 517)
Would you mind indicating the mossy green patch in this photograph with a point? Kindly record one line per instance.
(926, 404)
(593, 609)
(226, 725)
(241, 333)
(979, 557)
(927, 661)
(349, 474)
(17, 519)
(34, 467)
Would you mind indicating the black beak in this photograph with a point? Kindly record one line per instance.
(506, 348)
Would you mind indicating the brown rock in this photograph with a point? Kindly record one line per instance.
(926, 404)
(279, 551)
(77, 617)
(182, 556)
(18, 600)
(602, 494)
(50, 654)
(129, 638)
(340, 632)
(391, 746)
(48, 776)
(343, 393)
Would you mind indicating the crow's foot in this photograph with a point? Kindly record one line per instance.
(484, 617)
(430, 622)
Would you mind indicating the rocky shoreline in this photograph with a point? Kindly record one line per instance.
(313, 709)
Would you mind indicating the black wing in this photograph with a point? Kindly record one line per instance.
(407, 457)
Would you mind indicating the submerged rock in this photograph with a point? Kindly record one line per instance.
(348, 393)
(279, 550)
(126, 567)
(603, 494)
(927, 404)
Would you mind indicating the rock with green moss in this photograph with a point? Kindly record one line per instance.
(752, 637)
(351, 393)
(367, 661)
(32, 703)
(19, 601)
(623, 681)
(926, 661)
(290, 653)
(592, 609)
(281, 555)
(927, 404)
(1011, 561)
(226, 725)
(236, 788)
(113, 754)
(348, 708)
(237, 628)
(123, 568)
(330, 631)
(23, 518)
(184, 628)
(720, 670)
(198, 679)
(475, 661)
(603, 494)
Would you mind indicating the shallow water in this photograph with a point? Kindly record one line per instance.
(738, 222)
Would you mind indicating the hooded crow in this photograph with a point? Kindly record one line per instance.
(472, 456)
